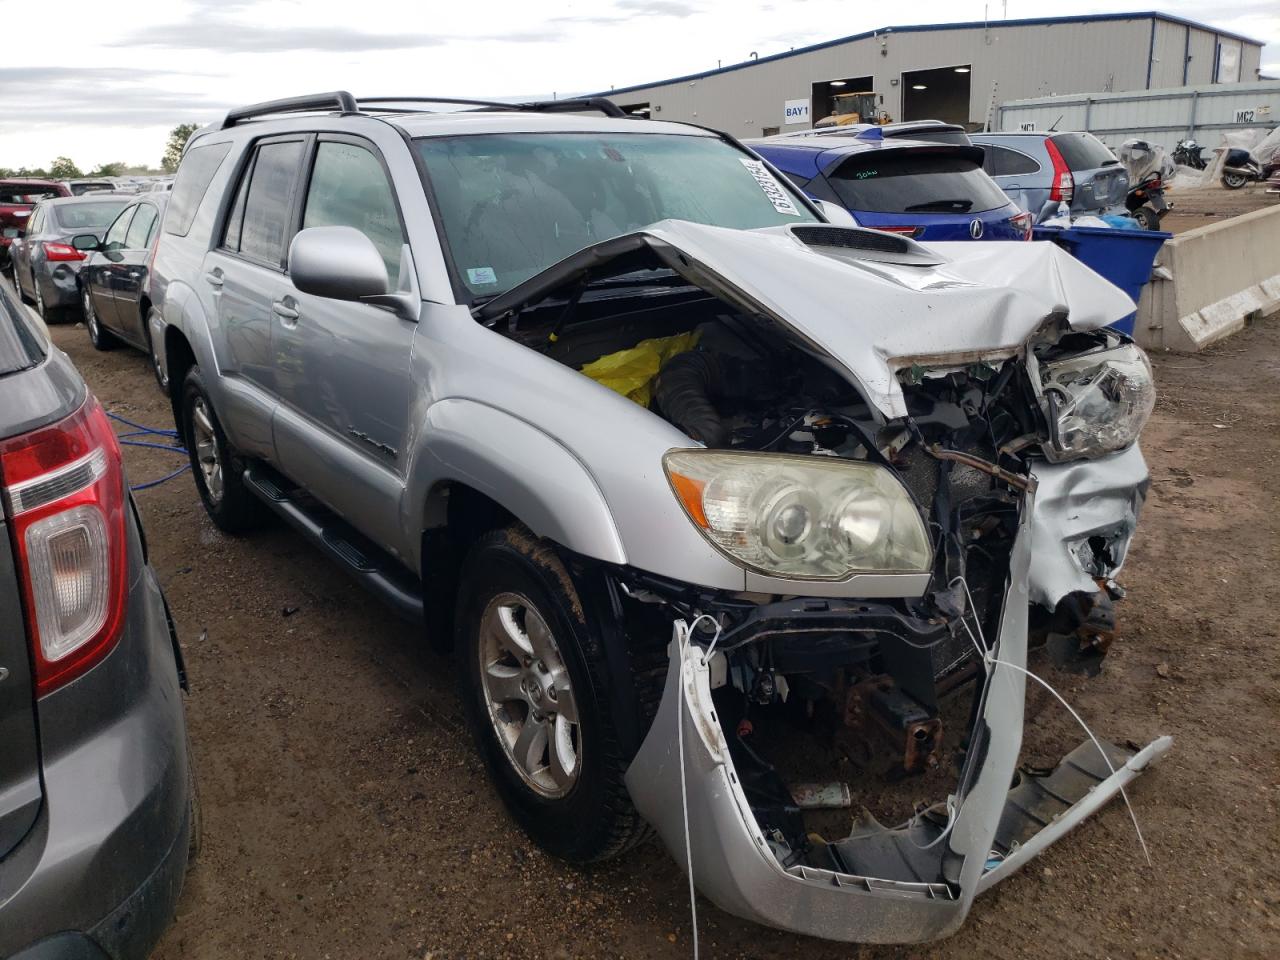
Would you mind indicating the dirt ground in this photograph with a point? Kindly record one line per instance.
(1196, 206)
(347, 814)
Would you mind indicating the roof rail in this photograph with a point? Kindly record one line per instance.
(344, 102)
(338, 100)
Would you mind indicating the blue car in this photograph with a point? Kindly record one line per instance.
(926, 191)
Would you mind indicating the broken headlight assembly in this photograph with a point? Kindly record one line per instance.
(1097, 403)
(801, 517)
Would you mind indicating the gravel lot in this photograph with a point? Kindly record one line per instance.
(1197, 206)
(347, 815)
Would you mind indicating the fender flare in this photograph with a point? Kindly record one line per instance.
(518, 466)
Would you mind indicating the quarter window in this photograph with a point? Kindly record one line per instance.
(195, 173)
(1002, 162)
(349, 188)
(140, 230)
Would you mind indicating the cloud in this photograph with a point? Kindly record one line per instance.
(659, 8)
(121, 96)
(226, 36)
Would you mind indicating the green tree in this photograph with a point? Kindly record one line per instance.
(114, 169)
(178, 138)
(64, 168)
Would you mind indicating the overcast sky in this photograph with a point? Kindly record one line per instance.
(100, 82)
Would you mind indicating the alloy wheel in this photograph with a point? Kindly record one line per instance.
(529, 696)
(208, 452)
(90, 316)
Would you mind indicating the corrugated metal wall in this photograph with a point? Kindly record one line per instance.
(1160, 116)
(1017, 62)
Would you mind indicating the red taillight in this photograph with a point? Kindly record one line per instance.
(64, 490)
(912, 232)
(61, 252)
(1063, 186)
(1024, 222)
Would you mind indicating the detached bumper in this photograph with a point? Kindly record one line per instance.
(901, 885)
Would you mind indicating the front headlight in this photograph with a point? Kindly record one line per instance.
(801, 517)
(1097, 402)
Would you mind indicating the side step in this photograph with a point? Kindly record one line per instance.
(373, 569)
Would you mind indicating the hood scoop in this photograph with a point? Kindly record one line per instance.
(862, 244)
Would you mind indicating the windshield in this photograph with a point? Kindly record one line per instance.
(20, 195)
(512, 205)
(915, 182)
(87, 216)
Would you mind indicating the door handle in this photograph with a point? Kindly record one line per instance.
(284, 309)
(214, 276)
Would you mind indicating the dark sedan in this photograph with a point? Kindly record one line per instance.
(46, 262)
(113, 282)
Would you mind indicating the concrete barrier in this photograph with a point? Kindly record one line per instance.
(1218, 276)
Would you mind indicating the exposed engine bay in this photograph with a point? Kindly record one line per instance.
(814, 698)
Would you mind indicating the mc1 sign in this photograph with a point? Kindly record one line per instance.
(796, 111)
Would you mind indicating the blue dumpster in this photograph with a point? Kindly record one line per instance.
(1125, 257)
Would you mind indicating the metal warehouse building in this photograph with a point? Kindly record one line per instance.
(958, 72)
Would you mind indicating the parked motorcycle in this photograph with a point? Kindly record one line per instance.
(1146, 203)
(1242, 167)
(1188, 153)
(1148, 166)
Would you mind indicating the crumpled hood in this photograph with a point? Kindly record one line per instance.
(961, 301)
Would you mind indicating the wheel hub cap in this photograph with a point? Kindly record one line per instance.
(528, 695)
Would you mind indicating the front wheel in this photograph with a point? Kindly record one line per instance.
(538, 691)
(1234, 181)
(218, 472)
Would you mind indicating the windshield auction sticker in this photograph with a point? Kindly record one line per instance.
(771, 187)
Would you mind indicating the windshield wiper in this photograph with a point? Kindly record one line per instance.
(959, 206)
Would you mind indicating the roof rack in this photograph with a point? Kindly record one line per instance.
(338, 100)
(343, 102)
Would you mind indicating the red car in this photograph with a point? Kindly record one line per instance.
(17, 197)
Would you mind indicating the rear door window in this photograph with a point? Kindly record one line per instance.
(349, 188)
(265, 225)
(915, 182)
(143, 225)
(1083, 151)
(195, 173)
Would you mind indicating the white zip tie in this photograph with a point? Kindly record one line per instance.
(682, 638)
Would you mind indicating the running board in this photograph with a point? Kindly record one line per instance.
(372, 568)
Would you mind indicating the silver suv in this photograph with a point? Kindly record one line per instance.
(703, 488)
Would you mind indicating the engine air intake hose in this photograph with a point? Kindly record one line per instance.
(686, 383)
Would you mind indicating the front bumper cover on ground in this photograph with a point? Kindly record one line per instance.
(904, 885)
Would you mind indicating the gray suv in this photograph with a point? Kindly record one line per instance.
(97, 802)
(1041, 170)
(698, 481)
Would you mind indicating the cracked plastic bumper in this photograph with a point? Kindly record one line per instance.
(734, 866)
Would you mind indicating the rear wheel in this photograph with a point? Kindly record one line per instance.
(100, 338)
(538, 691)
(47, 313)
(155, 331)
(1234, 181)
(17, 284)
(218, 472)
(1147, 218)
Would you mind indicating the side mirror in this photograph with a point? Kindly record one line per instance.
(86, 242)
(835, 214)
(339, 263)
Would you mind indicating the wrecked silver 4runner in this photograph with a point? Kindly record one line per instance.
(923, 459)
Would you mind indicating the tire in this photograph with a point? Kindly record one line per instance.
(1147, 218)
(158, 369)
(47, 313)
(1234, 181)
(218, 471)
(17, 286)
(98, 336)
(583, 815)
